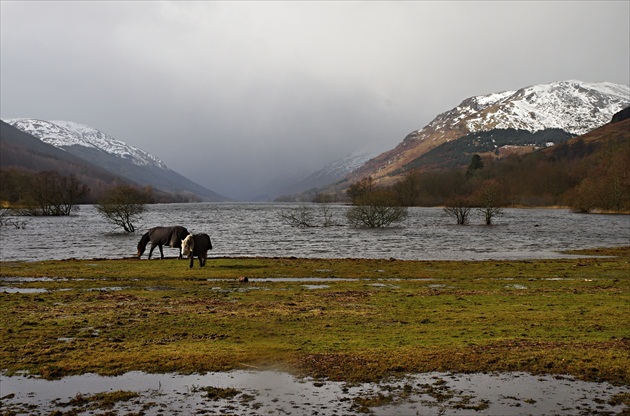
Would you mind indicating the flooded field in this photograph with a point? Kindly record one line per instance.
(276, 393)
(252, 230)
(498, 313)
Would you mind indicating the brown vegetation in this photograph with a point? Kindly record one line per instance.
(590, 173)
(44, 193)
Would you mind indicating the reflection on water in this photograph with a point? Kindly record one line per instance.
(250, 230)
(268, 392)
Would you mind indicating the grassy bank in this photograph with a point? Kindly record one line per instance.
(367, 320)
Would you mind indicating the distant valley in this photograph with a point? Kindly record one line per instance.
(496, 125)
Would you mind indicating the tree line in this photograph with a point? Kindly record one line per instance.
(44, 193)
(584, 176)
(50, 193)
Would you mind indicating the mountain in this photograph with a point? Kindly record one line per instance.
(99, 149)
(65, 134)
(21, 150)
(332, 172)
(521, 120)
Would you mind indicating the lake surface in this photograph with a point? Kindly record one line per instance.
(257, 229)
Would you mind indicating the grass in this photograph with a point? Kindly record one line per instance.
(372, 319)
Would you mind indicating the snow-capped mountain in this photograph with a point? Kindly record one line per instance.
(63, 134)
(113, 155)
(572, 107)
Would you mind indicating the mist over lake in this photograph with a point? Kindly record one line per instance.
(257, 229)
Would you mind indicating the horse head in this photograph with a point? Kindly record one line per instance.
(188, 244)
(142, 244)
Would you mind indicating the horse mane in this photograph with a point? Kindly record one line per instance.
(182, 232)
(143, 241)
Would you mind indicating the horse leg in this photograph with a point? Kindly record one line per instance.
(192, 260)
(202, 260)
(151, 250)
(161, 252)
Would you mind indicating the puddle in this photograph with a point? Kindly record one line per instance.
(519, 287)
(34, 279)
(288, 279)
(268, 392)
(106, 289)
(16, 281)
(383, 285)
(13, 289)
(440, 286)
(8, 289)
(312, 287)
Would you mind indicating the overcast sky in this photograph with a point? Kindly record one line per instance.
(235, 95)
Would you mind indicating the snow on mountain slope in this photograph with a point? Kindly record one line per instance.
(115, 156)
(338, 168)
(66, 133)
(575, 107)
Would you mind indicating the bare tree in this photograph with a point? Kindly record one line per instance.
(459, 208)
(123, 205)
(374, 207)
(489, 199)
(361, 188)
(299, 217)
(408, 189)
(50, 193)
(305, 217)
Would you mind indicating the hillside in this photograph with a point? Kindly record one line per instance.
(588, 173)
(614, 135)
(98, 149)
(19, 150)
(497, 143)
(561, 109)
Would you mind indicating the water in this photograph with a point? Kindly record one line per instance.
(276, 393)
(251, 230)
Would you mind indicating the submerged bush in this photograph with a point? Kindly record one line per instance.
(375, 207)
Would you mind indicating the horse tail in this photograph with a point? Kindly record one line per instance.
(207, 237)
(142, 244)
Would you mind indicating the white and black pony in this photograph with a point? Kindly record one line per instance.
(162, 236)
(196, 245)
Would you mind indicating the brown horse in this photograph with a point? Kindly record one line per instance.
(196, 245)
(162, 236)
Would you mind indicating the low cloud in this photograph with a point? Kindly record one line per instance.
(237, 95)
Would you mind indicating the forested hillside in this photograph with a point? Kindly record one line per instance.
(587, 173)
(497, 142)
